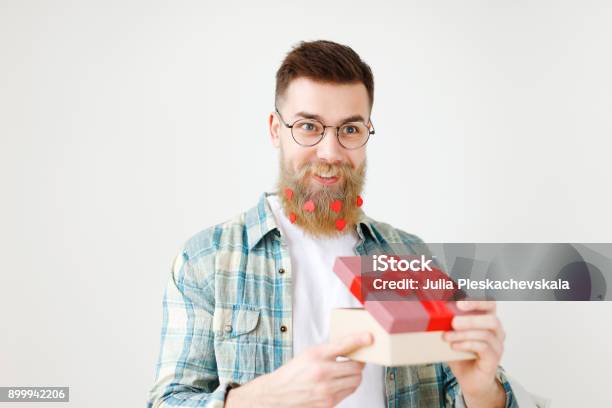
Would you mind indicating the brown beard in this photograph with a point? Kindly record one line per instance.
(323, 220)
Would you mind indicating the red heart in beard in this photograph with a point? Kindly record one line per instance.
(359, 201)
(336, 206)
(292, 217)
(340, 224)
(289, 193)
(309, 206)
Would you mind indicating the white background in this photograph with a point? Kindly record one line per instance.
(127, 126)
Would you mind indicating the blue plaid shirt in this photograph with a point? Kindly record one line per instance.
(227, 316)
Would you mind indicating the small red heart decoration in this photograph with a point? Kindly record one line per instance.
(309, 206)
(359, 201)
(340, 224)
(289, 193)
(336, 206)
(292, 217)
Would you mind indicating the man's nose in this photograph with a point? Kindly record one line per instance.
(329, 149)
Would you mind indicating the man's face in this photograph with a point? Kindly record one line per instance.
(320, 185)
(333, 105)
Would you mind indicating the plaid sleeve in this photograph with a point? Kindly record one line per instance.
(186, 371)
(454, 397)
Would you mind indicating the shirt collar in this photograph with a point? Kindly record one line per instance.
(260, 221)
(366, 226)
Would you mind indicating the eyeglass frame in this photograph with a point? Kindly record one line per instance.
(370, 131)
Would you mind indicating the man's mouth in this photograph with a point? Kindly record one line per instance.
(326, 177)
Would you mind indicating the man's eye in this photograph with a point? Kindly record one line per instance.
(309, 127)
(350, 130)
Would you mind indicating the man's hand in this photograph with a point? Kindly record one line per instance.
(312, 379)
(483, 335)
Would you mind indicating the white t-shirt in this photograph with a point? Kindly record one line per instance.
(316, 291)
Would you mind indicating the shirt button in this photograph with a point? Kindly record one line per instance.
(283, 328)
(281, 270)
(227, 328)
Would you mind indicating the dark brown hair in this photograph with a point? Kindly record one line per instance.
(324, 61)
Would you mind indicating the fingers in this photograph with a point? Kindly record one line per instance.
(486, 336)
(338, 369)
(484, 305)
(487, 321)
(334, 381)
(346, 345)
(481, 334)
(344, 383)
(340, 388)
(482, 349)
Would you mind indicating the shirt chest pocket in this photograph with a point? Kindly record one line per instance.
(236, 342)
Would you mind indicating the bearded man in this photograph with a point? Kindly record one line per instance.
(248, 302)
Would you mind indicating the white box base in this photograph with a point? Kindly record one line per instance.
(396, 349)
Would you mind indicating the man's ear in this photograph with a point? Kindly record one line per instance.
(274, 126)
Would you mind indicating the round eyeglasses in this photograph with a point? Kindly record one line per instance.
(309, 132)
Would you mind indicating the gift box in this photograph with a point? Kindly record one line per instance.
(407, 325)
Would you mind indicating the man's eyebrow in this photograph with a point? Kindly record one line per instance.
(352, 118)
